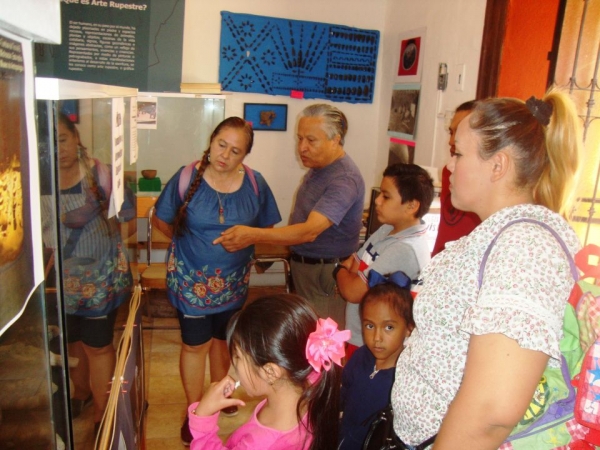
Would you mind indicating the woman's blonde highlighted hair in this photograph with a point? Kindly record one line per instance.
(546, 157)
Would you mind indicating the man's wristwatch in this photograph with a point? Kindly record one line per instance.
(338, 267)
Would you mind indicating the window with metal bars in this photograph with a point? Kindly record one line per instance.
(577, 70)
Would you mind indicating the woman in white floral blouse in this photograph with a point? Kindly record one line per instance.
(471, 367)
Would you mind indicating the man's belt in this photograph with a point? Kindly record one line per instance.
(309, 260)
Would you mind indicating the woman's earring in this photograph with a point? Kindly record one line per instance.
(208, 157)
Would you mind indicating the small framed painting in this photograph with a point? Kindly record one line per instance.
(404, 111)
(266, 116)
(410, 56)
(147, 112)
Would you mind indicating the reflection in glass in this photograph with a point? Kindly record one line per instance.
(86, 252)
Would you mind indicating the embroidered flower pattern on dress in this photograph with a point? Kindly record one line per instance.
(215, 284)
(122, 263)
(90, 285)
(171, 263)
(72, 285)
(88, 290)
(199, 289)
(207, 286)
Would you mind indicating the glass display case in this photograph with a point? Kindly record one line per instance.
(26, 387)
(174, 130)
(87, 145)
(58, 358)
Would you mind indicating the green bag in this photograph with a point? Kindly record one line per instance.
(549, 421)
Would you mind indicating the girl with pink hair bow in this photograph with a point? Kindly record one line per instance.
(281, 350)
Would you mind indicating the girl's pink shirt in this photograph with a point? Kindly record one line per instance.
(250, 436)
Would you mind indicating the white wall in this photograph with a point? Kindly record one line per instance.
(454, 29)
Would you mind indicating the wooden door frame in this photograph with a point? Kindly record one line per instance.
(494, 31)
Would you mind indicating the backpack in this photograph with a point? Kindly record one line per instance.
(560, 417)
(186, 176)
(585, 298)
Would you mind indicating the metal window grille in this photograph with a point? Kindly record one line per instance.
(577, 69)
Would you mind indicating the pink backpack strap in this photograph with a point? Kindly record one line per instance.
(186, 176)
(252, 178)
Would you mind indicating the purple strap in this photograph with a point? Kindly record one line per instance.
(574, 270)
(186, 176)
(558, 409)
(565, 406)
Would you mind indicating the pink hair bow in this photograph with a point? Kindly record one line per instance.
(326, 344)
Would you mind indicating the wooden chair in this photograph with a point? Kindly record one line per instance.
(152, 275)
(266, 254)
(155, 274)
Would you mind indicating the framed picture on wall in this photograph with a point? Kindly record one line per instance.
(410, 56)
(147, 112)
(404, 111)
(266, 116)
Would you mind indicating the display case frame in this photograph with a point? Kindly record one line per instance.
(107, 128)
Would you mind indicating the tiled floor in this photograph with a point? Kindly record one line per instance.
(166, 399)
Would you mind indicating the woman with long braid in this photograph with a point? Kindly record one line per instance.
(206, 283)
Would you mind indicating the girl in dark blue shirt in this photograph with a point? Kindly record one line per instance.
(367, 379)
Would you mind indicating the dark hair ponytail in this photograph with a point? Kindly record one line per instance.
(322, 400)
(275, 329)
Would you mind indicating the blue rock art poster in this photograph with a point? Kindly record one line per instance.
(269, 55)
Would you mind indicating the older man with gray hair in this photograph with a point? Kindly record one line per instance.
(327, 216)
